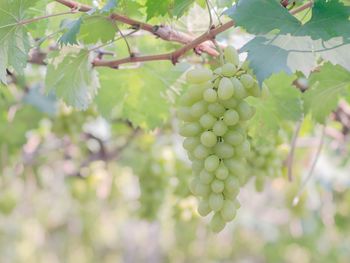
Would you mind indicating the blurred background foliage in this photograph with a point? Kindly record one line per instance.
(79, 187)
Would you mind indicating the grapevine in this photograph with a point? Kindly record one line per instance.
(215, 116)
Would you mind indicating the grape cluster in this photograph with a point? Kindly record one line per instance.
(215, 113)
(266, 159)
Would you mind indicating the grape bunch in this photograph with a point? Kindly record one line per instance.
(266, 159)
(215, 114)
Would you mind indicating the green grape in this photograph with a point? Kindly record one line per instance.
(223, 150)
(184, 114)
(243, 149)
(228, 211)
(234, 137)
(208, 139)
(229, 104)
(206, 177)
(202, 189)
(207, 121)
(232, 185)
(197, 166)
(218, 71)
(219, 128)
(245, 111)
(231, 117)
(216, 109)
(255, 91)
(247, 81)
(226, 89)
(239, 90)
(190, 129)
(228, 70)
(216, 201)
(198, 109)
(201, 152)
(217, 223)
(199, 75)
(210, 95)
(217, 186)
(235, 166)
(211, 163)
(222, 172)
(193, 185)
(203, 208)
(231, 55)
(190, 143)
(195, 93)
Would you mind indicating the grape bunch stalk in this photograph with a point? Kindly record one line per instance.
(214, 112)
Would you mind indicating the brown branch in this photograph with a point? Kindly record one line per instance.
(301, 8)
(172, 56)
(164, 32)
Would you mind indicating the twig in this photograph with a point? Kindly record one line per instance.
(172, 56)
(308, 177)
(163, 32)
(210, 16)
(290, 157)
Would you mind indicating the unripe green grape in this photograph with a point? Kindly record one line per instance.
(217, 186)
(222, 172)
(218, 71)
(198, 109)
(216, 201)
(235, 166)
(190, 129)
(190, 143)
(259, 161)
(185, 100)
(199, 75)
(255, 91)
(216, 109)
(228, 211)
(193, 186)
(210, 95)
(247, 81)
(195, 92)
(206, 177)
(223, 150)
(207, 120)
(245, 111)
(201, 152)
(197, 166)
(211, 163)
(184, 114)
(217, 224)
(243, 149)
(229, 104)
(203, 190)
(234, 137)
(231, 117)
(216, 83)
(208, 139)
(228, 70)
(239, 90)
(203, 207)
(219, 128)
(225, 89)
(231, 55)
(232, 185)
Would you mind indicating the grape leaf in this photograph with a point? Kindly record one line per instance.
(70, 76)
(180, 7)
(157, 8)
(137, 94)
(327, 86)
(263, 16)
(281, 101)
(70, 36)
(97, 28)
(274, 53)
(14, 40)
(329, 19)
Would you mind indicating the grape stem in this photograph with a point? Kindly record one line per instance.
(290, 158)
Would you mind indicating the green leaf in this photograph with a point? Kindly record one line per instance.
(327, 85)
(71, 77)
(181, 6)
(97, 28)
(138, 95)
(109, 6)
(14, 40)
(275, 53)
(329, 19)
(281, 102)
(157, 8)
(263, 16)
(70, 36)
